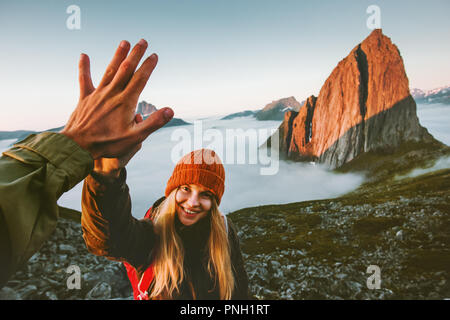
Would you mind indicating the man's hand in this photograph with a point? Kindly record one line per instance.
(110, 167)
(104, 121)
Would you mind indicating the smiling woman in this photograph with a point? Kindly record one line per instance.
(184, 248)
(193, 203)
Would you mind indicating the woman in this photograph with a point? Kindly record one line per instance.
(184, 248)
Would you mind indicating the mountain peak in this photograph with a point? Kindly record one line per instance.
(364, 104)
(145, 108)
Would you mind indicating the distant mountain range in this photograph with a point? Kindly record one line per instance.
(438, 95)
(276, 109)
(22, 134)
(144, 108)
(272, 111)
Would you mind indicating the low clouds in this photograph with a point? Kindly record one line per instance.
(151, 167)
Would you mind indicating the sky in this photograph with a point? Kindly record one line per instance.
(215, 57)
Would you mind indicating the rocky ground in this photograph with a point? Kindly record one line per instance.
(307, 250)
(323, 249)
(45, 276)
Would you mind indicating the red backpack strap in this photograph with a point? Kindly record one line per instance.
(148, 213)
(140, 286)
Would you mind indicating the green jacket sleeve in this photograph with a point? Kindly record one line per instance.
(33, 175)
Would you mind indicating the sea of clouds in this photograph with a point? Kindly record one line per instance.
(245, 186)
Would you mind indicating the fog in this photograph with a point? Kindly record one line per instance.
(442, 163)
(245, 186)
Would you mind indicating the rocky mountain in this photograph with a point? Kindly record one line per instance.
(364, 105)
(276, 109)
(145, 108)
(438, 95)
(272, 111)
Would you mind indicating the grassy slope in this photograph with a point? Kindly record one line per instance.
(364, 223)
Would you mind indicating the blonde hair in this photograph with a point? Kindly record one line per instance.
(169, 254)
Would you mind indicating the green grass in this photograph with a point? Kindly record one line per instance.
(372, 226)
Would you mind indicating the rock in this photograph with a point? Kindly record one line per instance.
(7, 293)
(275, 264)
(364, 105)
(399, 235)
(27, 291)
(34, 258)
(341, 276)
(65, 248)
(51, 295)
(101, 291)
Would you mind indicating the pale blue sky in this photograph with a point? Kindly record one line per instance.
(215, 57)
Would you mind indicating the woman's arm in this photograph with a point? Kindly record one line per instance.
(109, 229)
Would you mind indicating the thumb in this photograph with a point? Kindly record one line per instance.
(155, 121)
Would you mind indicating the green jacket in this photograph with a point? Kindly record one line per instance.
(33, 175)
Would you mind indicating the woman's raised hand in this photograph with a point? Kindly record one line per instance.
(104, 120)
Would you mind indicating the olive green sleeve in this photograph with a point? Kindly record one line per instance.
(33, 175)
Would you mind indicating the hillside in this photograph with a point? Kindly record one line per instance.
(321, 249)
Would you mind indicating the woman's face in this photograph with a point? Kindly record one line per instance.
(193, 203)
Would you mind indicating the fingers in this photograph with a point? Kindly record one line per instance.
(84, 76)
(128, 66)
(155, 121)
(119, 56)
(140, 78)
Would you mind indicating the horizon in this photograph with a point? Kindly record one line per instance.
(214, 58)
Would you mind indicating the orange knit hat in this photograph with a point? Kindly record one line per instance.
(203, 167)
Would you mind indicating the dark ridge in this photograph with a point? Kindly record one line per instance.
(290, 127)
(309, 116)
(363, 68)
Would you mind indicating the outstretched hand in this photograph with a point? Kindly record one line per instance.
(110, 167)
(104, 121)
